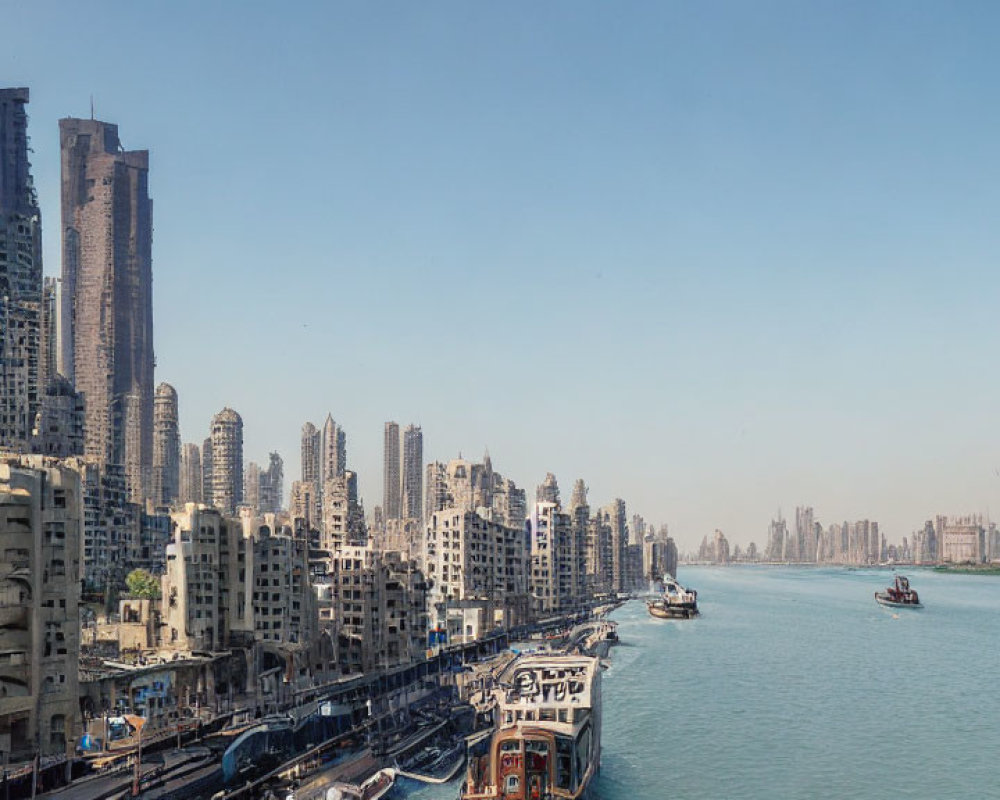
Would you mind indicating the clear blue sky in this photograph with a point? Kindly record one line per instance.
(714, 258)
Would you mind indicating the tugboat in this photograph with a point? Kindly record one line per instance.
(899, 595)
(675, 602)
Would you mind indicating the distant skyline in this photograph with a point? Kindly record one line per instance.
(715, 259)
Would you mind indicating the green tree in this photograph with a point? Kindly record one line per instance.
(141, 584)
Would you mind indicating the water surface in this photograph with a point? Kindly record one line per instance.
(794, 683)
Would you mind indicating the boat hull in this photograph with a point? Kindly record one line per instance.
(882, 600)
(672, 612)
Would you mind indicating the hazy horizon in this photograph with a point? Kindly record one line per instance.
(716, 259)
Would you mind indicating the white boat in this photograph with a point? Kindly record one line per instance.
(377, 786)
(675, 602)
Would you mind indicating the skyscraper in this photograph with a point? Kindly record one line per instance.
(392, 505)
(48, 356)
(20, 277)
(227, 461)
(107, 294)
(271, 485)
(166, 446)
(312, 453)
(251, 486)
(334, 450)
(190, 477)
(206, 471)
(413, 472)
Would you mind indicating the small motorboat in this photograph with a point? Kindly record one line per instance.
(899, 595)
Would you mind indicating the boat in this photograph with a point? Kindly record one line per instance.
(546, 742)
(434, 766)
(377, 786)
(899, 595)
(674, 602)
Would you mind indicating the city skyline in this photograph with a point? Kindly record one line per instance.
(771, 286)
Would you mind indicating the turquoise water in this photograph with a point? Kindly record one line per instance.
(794, 684)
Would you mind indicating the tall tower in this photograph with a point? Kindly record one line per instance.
(190, 478)
(107, 294)
(272, 485)
(392, 505)
(206, 471)
(251, 486)
(334, 450)
(413, 472)
(166, 446)
(311, 454)
(48, 357)
(227, 461)
(20, 277)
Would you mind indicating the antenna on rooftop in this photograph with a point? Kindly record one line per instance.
(91, 107)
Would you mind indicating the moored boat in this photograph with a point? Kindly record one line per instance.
(547, 740)
(376, 787)
(674, 602)
(899, 595)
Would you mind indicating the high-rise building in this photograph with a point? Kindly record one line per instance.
(166, 446)
(304, 504)
(334, 450)
(556, 577)
(614, 516)
(59, 423)
(227, 461)
(343, 521)
(392, 505)
(251, 486)
(548, 490)
(413, 472)
(312, 454)
(20, 277)
(206, 471)
(271, 485)
(48, 354)
(579, 513)
(190, 478)
(107, 294)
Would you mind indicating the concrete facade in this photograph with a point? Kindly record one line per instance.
(107, 299)
(59, 424)
(20, 277)
(334, 451)
(227, 461)
(190, 485)
(166, 446)
(41, 519)
(557, 564)
(468, 557)
(205, 587)
(272, 484)
(305, 504)
(343, 519)
(392, 486)
(413, 473)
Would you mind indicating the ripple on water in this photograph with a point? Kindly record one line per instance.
(794, 685)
